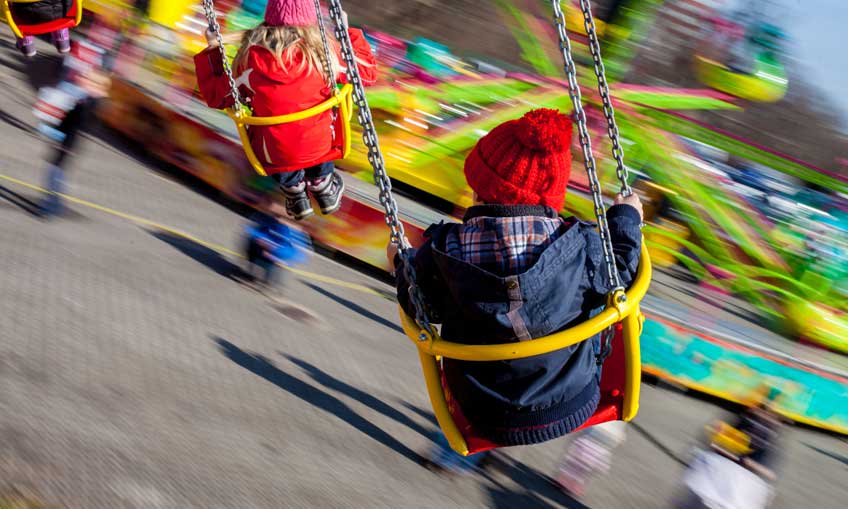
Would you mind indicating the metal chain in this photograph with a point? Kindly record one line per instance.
(375, 157)
(328, 66)
(603, 90)
(586, 146)
(212, 19)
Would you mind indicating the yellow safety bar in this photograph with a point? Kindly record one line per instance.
(431, 349)
(343, 99)
(7, 12)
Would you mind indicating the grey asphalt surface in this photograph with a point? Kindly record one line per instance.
(135, 374)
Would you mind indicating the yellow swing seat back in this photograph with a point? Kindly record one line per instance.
(71, 19)
(342, 101)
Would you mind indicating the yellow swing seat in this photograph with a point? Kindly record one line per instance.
(342, 99)
(619, 388)
(71, 19)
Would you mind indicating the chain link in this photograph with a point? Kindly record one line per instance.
(212, 19)
(328, 66)
(586, 145)
(603, 90)
(375, 157)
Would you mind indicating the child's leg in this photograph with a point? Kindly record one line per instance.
(62, 40)
(293, 186)
(254, 254)
(326, 185)
(269, 268)
(55, 185)
(26, 46)
(274, 276)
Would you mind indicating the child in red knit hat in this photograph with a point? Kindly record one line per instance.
(281, 68)
(515, 270)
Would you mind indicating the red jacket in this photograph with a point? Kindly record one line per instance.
(271, 91)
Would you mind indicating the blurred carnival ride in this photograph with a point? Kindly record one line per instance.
(719, 209)
(743, 54)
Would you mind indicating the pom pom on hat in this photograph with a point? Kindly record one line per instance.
(545, 130)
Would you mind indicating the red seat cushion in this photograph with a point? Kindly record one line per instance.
(609, 408)
(69, 21)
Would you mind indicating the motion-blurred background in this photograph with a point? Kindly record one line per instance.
(122, 342)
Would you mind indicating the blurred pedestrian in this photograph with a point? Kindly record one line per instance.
(271, 245)
(590, 455)
(92, 84)
(738, 469)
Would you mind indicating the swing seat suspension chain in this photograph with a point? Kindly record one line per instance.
(215, 28)
(617, 289)
(378, 163)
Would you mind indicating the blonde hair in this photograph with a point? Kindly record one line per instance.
(287, 43)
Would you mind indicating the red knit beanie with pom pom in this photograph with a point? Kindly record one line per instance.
(523, 162)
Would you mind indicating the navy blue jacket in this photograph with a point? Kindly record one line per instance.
(536, 399)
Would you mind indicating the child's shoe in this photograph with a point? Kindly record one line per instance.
(298, 205)
(62, 40)
(26, 46)
(328, 192)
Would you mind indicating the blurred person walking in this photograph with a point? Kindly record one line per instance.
(95, 84)
(65, 110)
(738, 469)
(270, 245)
(590, 455)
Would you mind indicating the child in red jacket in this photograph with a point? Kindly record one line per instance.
(280, 69)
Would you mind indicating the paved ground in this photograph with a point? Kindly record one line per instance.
(135, 374)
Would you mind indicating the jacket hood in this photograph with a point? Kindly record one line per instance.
(540, 300)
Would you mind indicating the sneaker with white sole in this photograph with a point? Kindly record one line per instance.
(298, 205)
(62, 41)
(26, 46)
(328, 192)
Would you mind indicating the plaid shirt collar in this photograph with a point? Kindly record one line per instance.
(505, 239)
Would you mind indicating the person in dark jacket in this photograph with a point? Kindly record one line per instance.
(514, 270)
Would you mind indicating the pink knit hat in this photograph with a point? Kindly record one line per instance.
(291, 13)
